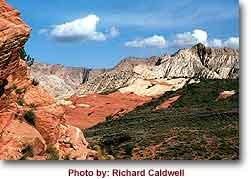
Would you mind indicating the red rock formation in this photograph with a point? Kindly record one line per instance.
(13, 34)
(18, 135)
(50, 137)
(90, 110)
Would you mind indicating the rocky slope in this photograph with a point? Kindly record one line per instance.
(197, 122)
(61, 81)
(103, 96)
(196, 62)
(31, 124)
(114, 78)
(58, 80)
(87, 111)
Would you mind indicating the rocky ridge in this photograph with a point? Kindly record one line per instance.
(104, 95)
(197, 62)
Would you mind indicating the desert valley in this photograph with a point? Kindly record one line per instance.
(181, 106)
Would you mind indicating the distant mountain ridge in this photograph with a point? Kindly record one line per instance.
(196, 62)
(61, 81)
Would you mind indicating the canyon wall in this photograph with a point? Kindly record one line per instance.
(32, 126)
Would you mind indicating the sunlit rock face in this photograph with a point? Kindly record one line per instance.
(58, 80)
(32, 125)
(196, 62)
(13, 35)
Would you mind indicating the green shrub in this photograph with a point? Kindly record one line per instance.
(27, 58)
(20, 90)
(67, 157)
(158, 62)
(3, 83)
(101, 154)
(22, 54)
(128, 150)
(35, 82)
(108, 118)
(20, 102)
(14, 86)
(32, 106)
(30, 117)
(52, 153)
(27, 152)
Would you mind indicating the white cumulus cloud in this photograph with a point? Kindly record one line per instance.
(200, 36)
(187, 39)
(190, 38)
(215, 43)
(232, 42)
(155, 41)
(80, 30)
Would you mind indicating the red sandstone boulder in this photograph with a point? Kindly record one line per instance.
(16, 137)
(72, 143)
(37, 96)
(5, 120)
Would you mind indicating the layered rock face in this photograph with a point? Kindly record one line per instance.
(58, 80)
(13, 34)
(112, 79)
(32, 126)
(196, 62)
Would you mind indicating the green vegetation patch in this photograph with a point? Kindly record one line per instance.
(195, 127)
(30, 117)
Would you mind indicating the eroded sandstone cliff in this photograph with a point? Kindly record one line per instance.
(31, 124)
(13, 35)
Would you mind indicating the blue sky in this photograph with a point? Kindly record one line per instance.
(95, 33)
